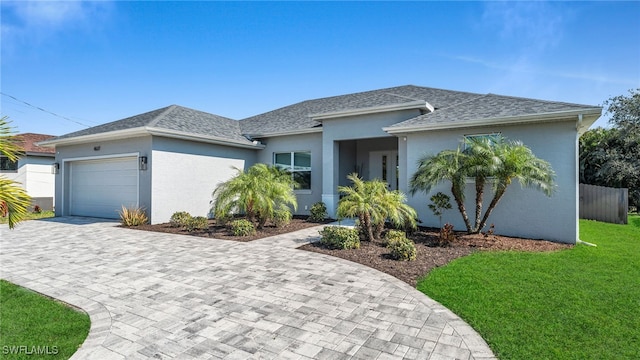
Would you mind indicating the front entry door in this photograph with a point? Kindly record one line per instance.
(383, 165)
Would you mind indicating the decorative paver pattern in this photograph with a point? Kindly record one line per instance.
(161, 296)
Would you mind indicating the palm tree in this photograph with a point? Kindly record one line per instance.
(14, 200)
(373, 204)
(517, 162)
(447, 165)
(485, 160)
(258, 192)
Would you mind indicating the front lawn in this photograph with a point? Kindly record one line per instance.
(36, 327)
(33, 216)
(582, 303)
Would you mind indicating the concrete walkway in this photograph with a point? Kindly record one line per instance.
(162, 296)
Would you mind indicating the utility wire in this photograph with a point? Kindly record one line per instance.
(44, 110)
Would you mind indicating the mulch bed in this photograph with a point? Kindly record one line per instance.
(374, 254)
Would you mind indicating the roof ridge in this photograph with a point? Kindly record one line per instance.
(157, 119)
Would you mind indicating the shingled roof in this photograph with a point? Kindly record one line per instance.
(440, 108)
(172, 119)
(29, 140)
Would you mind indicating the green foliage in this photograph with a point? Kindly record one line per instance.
(282, 217)
(179, 219)
(318, 212)
(197, 223)
(439, 203)
(258, 193)
(338, 237)
(373, 204)
(30, 319)
(242, 227)
(483, 158)
(401, 247)
(611, 157)
(133, 216)
(551, 305)
(14, 200)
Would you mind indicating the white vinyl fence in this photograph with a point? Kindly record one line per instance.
(604, 203)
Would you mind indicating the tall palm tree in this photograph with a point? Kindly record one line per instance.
(257, 192)
(14, 200)
(447, 165)
(496, 160)
(373, 204)
(517, 162)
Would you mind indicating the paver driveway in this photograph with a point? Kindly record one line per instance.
(152, 295)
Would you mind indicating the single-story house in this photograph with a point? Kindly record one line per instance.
(171, 159)
(33, 169)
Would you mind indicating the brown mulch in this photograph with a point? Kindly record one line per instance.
(374, 254)
(429, 254)
(216, 231)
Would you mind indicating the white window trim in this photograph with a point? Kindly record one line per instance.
(291, 166)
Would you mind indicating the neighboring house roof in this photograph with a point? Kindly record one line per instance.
(438, 108)
(29, 140)
(172, 121)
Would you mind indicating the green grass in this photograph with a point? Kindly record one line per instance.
(582, 303)
(33, 216)
(31, 320)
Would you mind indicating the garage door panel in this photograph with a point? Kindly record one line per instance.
(101, 187)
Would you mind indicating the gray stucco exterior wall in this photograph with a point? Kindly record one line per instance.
(521, 212)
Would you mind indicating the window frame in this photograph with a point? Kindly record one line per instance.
(490, 136)
(292, 165)
(9, 169)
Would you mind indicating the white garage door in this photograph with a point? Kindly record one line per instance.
(99, 188)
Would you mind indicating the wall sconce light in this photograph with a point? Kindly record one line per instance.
(143, 163)
(55, 168)
(96, 148)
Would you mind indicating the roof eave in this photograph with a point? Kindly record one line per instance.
(591, 114)
(286, 133)
(204, 138)
(418, 104)
(111, 135)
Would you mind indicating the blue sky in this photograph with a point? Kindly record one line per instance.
(96, 62)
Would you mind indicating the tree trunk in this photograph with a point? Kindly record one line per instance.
(479, 196)
(492, 205)
(461, 208)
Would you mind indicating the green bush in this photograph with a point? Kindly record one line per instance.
(133, 216)
(242, 227)
(179, 219)
(282, 217)
(318, 212)
(197, 223)
(338, 237)
(401, 247)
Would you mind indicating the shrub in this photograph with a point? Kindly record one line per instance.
(242, 227)
(133, 216)
(393, 235)
(197, 223)
(338, 237)
(180, 219)
(37, 209)
(318, 212)
(446, 235)
(401, 247)
(282, 217)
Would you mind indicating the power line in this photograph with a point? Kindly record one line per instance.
(44, 110)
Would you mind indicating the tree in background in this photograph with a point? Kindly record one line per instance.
(611, 157)
(14, 200)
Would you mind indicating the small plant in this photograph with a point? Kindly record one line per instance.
(338, 237)
(197, 223)
(242, 227)
(446, 235)
(439, 203)
(318, 212)
(133, 216)
(282, 217)
(401, 247)
(489, 232)
(179, 219)
(37, 209)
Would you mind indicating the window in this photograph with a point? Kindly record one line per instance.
(8, 165)
(493, 138)
(298, 164)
